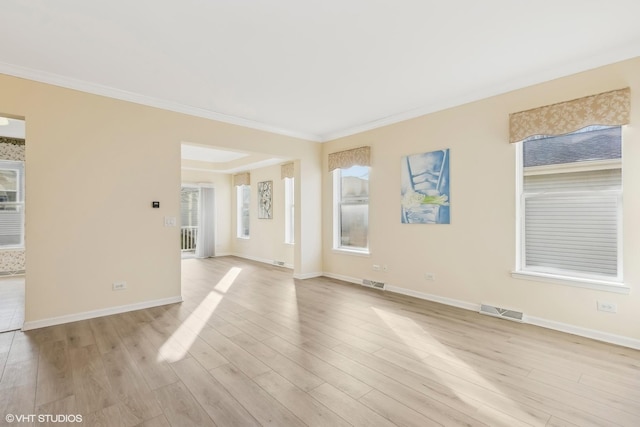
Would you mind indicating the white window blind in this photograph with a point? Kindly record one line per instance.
(571, 222)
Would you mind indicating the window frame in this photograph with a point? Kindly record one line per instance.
(241, 208)
(17, 166)
(289, 210)
(589, 281)
(337, 217)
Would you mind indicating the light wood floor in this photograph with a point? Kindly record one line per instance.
(250, 346)
(11, 303)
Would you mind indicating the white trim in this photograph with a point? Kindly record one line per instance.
(43, 323)
(568, 68)
(343, 278)
(123, 95)
(598, 285)
(583, 332)
(532, 320)
(221, 254)
(262, 260)
(355, 252)
(435, 298)
(305, 276)
(582, 166)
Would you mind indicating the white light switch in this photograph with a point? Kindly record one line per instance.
(169, 221)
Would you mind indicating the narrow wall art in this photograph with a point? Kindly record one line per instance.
(265, 200)
(425, 188)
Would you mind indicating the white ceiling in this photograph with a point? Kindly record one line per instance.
(206, 154)
(313, 69)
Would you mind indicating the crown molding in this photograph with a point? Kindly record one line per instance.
(123, 95)
(569, 67)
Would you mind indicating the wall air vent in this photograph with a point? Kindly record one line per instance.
(373, 284)
(502, 313)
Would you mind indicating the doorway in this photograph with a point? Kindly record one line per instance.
(12, 230)
(197, 221)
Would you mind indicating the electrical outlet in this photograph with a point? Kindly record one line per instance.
(376, 267)
(609, 307)
(429, 276)
(119, 286)
(385, 267)
(169, 221)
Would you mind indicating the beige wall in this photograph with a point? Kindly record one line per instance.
(222, 185)
(472, 258)
(94, 165)
(266, 236)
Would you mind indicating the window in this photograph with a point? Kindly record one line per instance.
(11, 204)
(351, 202)
(189, 197)
(571, 205)
(289, 210)
(243, 199)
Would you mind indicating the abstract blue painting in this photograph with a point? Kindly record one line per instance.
(425, 188)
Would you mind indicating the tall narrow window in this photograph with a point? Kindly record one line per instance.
(189, 197)
(351, 203)
(571, 205)
(289, 210)
(243, 197)
(11, 204)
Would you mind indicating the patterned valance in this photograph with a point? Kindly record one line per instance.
(287, 170)
(606, 109)
(11, 148)
(241, 179)
(345, 159)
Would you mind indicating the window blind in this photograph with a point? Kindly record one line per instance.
(571, 222)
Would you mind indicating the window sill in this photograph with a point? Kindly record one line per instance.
(598, 285)
(242, 238)
(345, 251)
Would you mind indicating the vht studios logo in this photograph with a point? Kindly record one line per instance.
(43, 418)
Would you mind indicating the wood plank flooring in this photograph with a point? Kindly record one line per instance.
(250, 346)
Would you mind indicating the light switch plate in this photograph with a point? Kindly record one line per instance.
(169, 221)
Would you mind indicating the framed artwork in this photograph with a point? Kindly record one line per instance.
(425, 188)
(265, 200)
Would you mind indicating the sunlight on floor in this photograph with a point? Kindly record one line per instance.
(469, 386)
(177, 346)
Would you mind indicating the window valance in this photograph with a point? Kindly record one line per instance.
(345, 159)
(606, 109)
(287, 170)
(241, 179)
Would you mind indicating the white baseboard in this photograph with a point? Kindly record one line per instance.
(537, 321)
(343, 278)
(435, 298)
(43, 323)
(262, 260)
(308, 275)
(583, 332)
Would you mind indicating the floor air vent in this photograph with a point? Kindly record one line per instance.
(503, 313)
(373, 284)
